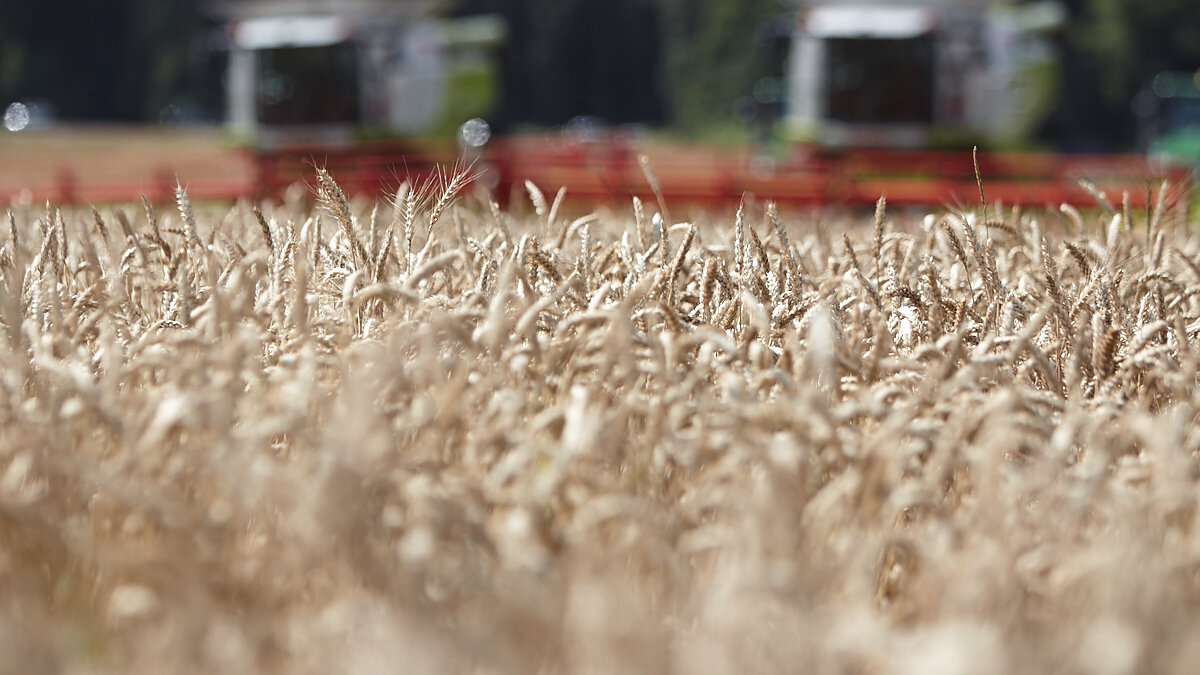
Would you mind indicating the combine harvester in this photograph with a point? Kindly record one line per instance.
(889, 95)
(880, 99)
(341, 72)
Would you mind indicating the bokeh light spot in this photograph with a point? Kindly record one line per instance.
(16, 116)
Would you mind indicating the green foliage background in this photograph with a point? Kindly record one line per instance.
(713, 56)
(1132, 40)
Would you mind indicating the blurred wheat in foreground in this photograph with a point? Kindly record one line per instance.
(430, 437)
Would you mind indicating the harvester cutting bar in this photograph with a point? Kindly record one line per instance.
(611, 172)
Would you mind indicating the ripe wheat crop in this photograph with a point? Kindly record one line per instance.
(431, 435)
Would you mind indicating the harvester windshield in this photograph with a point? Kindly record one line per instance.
(881, 81)
(308, 85)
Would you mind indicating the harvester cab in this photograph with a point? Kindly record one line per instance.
(355, 70)
(921, 74)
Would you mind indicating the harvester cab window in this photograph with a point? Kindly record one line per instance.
(876, 81)
(308, 85)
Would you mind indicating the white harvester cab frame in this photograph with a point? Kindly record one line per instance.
(332, 77)
(920, 74)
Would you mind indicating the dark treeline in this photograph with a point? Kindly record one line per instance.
(1111, 50)
(682, 63)
(677, 62)
(588, 57)
(100, 59)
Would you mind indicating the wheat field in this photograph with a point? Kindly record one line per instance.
(426, 435)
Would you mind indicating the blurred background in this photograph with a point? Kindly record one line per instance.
(1060, 75)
